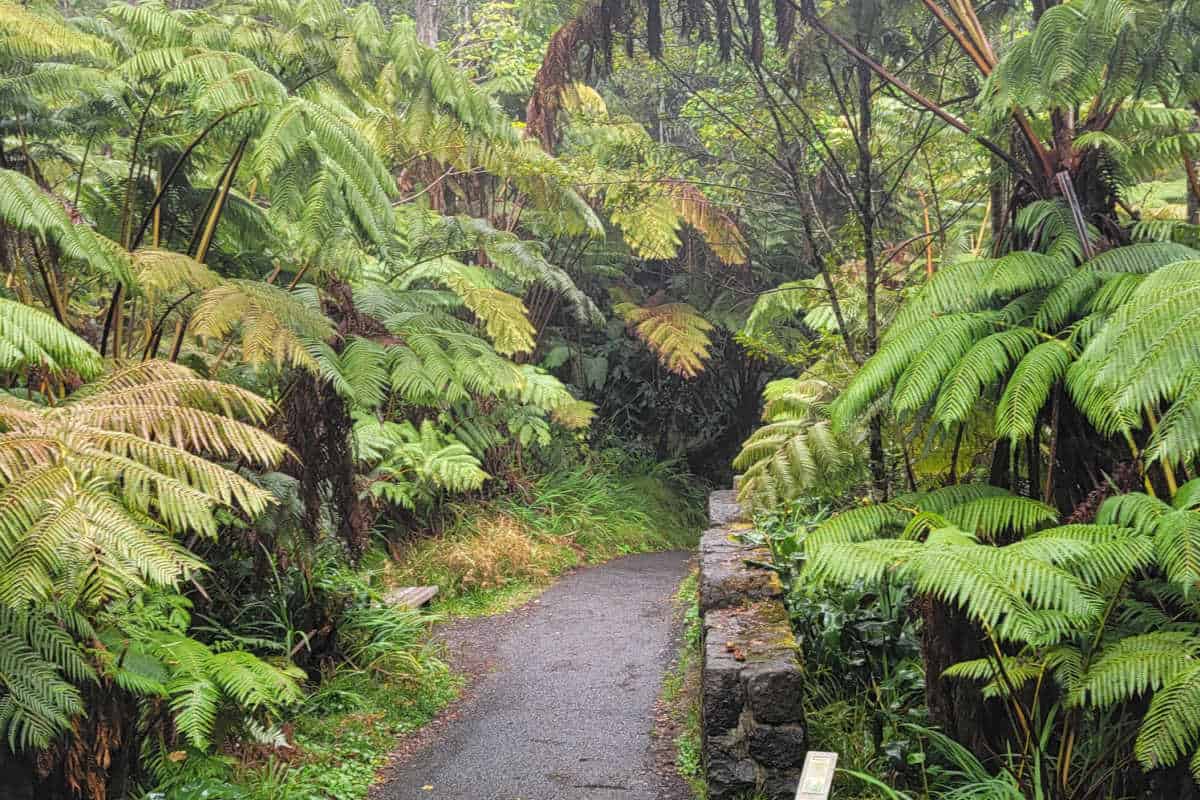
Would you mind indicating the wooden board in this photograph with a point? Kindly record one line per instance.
(410, 596)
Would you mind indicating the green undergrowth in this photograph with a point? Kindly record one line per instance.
(348, 731)
(864, 680)
(497, 554)
(681, 690)
(391, 683)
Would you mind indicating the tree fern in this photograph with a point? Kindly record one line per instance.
(202, 683)
(82, 483)
(1176, 440)
(1023, 597)
(27, 36)
(995, 516)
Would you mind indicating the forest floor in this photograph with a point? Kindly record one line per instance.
(562, 695)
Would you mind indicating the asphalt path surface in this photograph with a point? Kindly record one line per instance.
(563, 704)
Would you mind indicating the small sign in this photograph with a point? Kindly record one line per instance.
(817, 778)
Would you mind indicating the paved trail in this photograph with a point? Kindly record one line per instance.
(565, 709)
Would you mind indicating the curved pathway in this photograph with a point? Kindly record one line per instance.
(564, 709)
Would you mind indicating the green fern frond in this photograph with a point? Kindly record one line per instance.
(786, 459)
(993, 517)
(574, 416)
(27, 36)
(922, 377)
(1095, 553)
(274, 323)
(1067, 300)
(1142, 355)
(1029, 387)
(1177, 547)
(1140, 258)
(881, 371)
(25, 207)
(1176, 440)
(961, 286)
(1023, 271)
(1135, 666)
(979, 368)
(1170, 730)
(858, 525)
(999, 680)
(846, 562)
(33, 338)
(1133, 509)
(359, 373)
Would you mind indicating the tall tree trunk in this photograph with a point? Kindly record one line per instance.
(428, 17)
(866, 212)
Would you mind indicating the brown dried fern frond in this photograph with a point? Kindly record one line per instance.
(719, 230)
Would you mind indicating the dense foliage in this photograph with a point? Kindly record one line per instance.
(303, 299)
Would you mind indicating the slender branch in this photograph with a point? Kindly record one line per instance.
(813, 20)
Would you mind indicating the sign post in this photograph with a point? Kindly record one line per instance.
(816, 780)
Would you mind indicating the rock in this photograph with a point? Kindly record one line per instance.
(728, 776)
(752, 684)
(777, 746)
(722, 690)
(775, 690)
(781, 785)
(728, 580)
(723, 508)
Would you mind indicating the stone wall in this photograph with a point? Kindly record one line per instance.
(754, 737)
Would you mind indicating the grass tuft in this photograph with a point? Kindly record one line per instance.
(681, 690)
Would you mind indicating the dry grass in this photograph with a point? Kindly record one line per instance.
(495, 550)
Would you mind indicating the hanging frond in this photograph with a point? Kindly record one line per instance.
(25, 207)
(33, 338)
(359, 373)
(40, 665)
(796, 451)
(1029, 388)
(719, 230)
(675, 332)
(274, 324)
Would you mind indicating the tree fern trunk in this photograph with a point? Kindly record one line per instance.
(956, 706)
